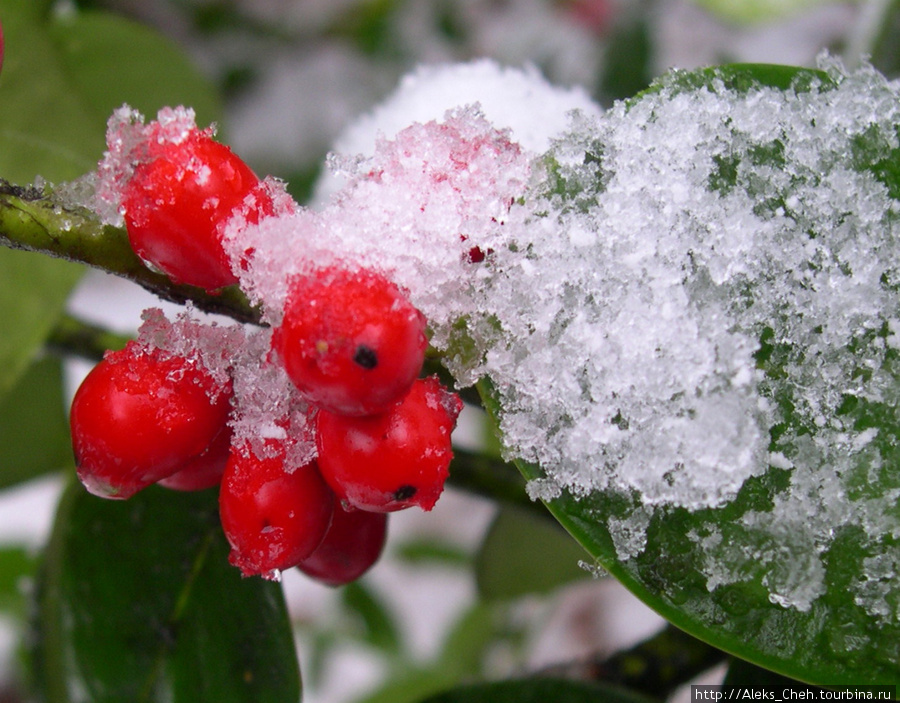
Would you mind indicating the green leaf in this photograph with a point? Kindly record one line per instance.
(797, 573)
(756, 11)
(138, 603)
(112, 60)
(34, 431)
(426, 551)
(463, 650)
(16, 565)
(525, 554)
(63, 74)
(537, 690)
(412, 686)
(376, 625)
(33, 293)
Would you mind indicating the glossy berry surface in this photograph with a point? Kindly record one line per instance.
(205, 470)
(351, 547)
(350, 341)
(139, 417)
(178, 202)
(272, 519)
(394, 460)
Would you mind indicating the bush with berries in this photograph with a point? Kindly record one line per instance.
(350, 342)
(674, 319)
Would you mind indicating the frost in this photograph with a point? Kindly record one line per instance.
(518, 100)
(629, 534)
(208, 345)
(127, 140)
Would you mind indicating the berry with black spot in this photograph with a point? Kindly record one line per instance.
(140, 416)
(273, 515)
(350, 341)
(393, 460)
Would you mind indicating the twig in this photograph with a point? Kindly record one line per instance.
(74, 336)
(656, 666)
(32, 221)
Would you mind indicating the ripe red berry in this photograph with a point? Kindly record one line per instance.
(179, 200)
(272, 518)
(139, 417)
(350, 341)
(351, 546)
(394, 460)
(204, 471)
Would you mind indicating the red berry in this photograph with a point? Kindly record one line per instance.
(139, 417)
(351, 546)
(351, 342)
(204, 471)
(394, 460)
(272, 518)
(178, 202)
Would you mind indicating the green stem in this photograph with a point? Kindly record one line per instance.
(656, 666)
(33, 221)
(74, 336)
(492, 478)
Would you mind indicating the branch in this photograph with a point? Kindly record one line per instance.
(33, 221)
(74, 336)
(656, 666)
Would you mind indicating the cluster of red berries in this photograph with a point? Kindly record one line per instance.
(350, 341)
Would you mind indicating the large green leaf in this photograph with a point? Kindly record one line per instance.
(751, 576)
(537, 690)
(138, 603)
(33, 292)
(34, 432)
(525, 554)
(64, 73)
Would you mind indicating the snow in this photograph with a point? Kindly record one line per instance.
(629, 282)
(128, 137)
(669, 298)
(500, 93)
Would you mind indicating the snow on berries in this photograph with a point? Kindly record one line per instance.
(176, 188)
(316, 423)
